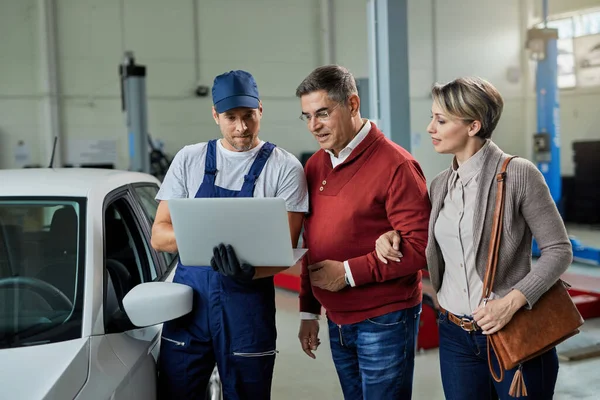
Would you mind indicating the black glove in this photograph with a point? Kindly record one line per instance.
(226, 262)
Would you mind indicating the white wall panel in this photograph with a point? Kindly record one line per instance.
(279, 41)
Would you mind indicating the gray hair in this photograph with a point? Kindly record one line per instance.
(336, 80)
(471, 99)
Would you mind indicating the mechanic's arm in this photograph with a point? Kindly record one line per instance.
(408, 209)
(295, 220)
(163, 235)
(173, 186)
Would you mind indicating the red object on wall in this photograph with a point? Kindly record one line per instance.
(428, 329)
(585, 292)
(587, 303)
(287, 281)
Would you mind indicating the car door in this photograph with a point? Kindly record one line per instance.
(130, 260)
(145, 195)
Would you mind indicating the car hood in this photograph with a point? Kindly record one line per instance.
(47, 371)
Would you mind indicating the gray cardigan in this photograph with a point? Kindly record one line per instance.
(529, 208)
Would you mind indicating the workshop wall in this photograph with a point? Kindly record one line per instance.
(487, 38)
(20, 94)
(448, 41)
(579, 110)
(279, 41)
(563, 6)
(579, 107)
(278, 51)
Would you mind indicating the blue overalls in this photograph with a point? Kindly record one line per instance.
(231, 323)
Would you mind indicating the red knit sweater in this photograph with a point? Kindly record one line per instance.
(378, 188)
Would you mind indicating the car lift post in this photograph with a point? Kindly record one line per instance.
(543, 45)
(133, 103)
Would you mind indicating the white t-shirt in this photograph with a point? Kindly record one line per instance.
(282, 176)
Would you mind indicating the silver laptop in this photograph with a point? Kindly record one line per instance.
(256, 228)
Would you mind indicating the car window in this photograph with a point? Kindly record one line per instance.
(147, 195)
(124, 242)
(42, 256)
(128, 259)
(148, 202)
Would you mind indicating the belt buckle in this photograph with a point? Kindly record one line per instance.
(463, 321)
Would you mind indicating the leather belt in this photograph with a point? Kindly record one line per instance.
(467, 324)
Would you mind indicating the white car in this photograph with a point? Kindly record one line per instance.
(82, 293)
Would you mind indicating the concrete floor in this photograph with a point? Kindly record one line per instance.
(299, 377)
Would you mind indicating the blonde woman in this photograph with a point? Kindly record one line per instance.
(464, 115)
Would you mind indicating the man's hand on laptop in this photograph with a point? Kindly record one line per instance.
(225, 261)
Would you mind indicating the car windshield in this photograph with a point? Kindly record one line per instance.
(42, 245)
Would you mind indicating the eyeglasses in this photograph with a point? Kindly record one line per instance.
(321, 116)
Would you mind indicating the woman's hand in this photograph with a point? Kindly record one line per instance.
(388, 247)
(497, 313)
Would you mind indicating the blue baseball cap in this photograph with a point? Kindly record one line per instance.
(234, 89)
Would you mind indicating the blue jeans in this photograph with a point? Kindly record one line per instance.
(466, 375)
(375, 358)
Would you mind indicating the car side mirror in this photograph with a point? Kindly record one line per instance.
(153, 303)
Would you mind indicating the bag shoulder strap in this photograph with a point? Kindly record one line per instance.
(492, 260)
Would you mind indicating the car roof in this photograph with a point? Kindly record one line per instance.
(68, 182)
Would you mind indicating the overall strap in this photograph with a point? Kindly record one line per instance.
(210, 166)
(257, 166)
(207, 187)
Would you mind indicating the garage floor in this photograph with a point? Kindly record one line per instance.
(294, 370)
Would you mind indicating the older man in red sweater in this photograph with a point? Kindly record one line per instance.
(361, 185)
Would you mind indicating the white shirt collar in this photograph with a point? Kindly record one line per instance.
(360, 136)
(472, 166)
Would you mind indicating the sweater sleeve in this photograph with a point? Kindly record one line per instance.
(408, 208)
(549, 231)
(308, 302)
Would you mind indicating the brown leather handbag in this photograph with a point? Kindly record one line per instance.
(552, 319)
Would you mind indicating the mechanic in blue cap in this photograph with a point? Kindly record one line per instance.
(233, 320)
